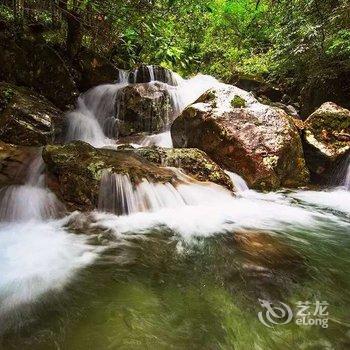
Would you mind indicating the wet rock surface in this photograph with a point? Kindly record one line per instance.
(191, 160)
(259, 142)
(326, 140)
(13, 161)
(75, 171)
(143, 108)
(27, 118)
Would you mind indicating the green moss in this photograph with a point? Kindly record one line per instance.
(8, 94)
(238, 102)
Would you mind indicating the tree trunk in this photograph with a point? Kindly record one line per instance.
(74, 35)
(74, 29)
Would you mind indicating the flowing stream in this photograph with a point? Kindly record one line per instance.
(159, 266)
(95, 119)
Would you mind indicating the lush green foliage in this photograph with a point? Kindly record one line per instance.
(226, 38)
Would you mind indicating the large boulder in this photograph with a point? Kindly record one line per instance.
(41, 67)
(192, 161)
(27, 118)
(259, 142)
(75, 170)
(143, 108)
(326, 140)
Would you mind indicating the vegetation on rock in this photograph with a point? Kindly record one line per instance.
(75, 171)
(326, 140)
(27, 118)
(258, 142)
(238, 102)
(143, 108)
(191, 160)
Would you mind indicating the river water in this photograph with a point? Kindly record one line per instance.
(159, 267)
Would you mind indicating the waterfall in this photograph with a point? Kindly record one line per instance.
(237, 181)
(347, 179)
(150, 73)
(118, 195)
(123, 76)
(162, 140)
(346, 176)
(32, 200)
(341, 174)
(95, 119)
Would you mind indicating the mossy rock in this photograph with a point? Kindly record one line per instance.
(326, 138)
(258, 142)
(74, 171)
(192, 161)
(238, 102)
(27, 118)
(143, 108)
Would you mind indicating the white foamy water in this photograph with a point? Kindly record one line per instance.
(161, 140)
(94, 117)
(31, 201)
(347, 176)
(26, 202)
(337, 199)
(219, 214)
(37, 257)
(198, 209)
(95, 120)
(238, 182)
(118, 195)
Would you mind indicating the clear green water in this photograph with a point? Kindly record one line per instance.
(157, 291)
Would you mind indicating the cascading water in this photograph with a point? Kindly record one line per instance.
(237, 181)
(31, 201)
(341, 174)
(95, 120)
(346, 181)
(27, 211)
(38, 255)
(119, 196)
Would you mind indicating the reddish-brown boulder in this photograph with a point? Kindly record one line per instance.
(259, 142)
